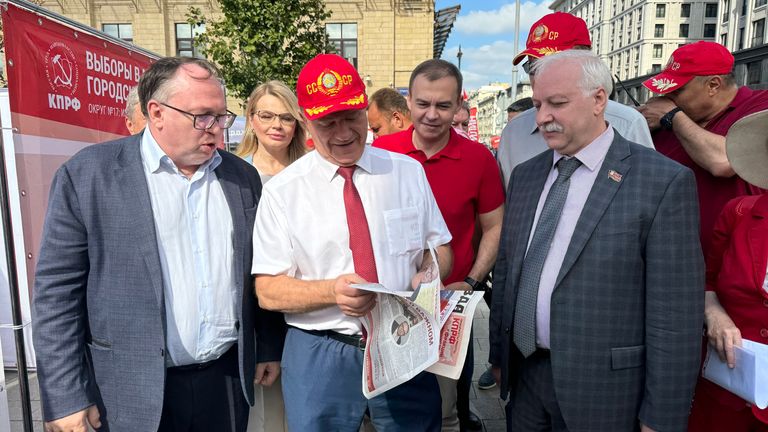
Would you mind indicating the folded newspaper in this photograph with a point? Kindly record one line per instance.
(409, 331)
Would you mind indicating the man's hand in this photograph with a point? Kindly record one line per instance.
(723, 335)
(77, 422)
(267, 373)
(654, 110)
(459, 286)
(352, 301)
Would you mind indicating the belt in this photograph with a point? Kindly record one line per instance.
(205, 365)
(541, 353)
(355, 341)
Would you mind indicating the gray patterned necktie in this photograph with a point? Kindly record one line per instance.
(525, 308)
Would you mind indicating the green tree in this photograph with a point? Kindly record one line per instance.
(260, 40)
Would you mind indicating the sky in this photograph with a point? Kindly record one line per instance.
(485, 30)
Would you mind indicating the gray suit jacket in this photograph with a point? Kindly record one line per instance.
(627, 309)
(98, 307)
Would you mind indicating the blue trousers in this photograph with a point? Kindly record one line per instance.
(322, 388)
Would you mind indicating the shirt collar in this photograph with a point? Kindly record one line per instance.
(452, 150)
(329, 169)
(593, 154)
(154, 157)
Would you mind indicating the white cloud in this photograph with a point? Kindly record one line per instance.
(502, 20)
(485, 64)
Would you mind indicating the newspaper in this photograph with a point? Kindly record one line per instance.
(404, 336)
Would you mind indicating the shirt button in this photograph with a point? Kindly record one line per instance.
(764, 333)
(506, 330)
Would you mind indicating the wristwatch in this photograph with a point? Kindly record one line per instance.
(476, 286)
(666, 120)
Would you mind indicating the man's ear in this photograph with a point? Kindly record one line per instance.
(155, 111)
(397, 120)
(601, 100)
(715, 84)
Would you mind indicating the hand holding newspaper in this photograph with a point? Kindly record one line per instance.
(748, 379)
(404, 336)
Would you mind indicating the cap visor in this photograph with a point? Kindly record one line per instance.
(665, 82)
(519, 58)
(335, 105)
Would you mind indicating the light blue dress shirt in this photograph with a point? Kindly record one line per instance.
(194, 236)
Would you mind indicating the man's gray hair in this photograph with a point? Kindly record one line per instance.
(595, 73)
(131, 102)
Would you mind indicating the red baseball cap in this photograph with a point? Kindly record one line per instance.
(327, 84)
(697, 59)
(553, 33)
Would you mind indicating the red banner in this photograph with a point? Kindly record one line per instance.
(473, 135)
(62, 74)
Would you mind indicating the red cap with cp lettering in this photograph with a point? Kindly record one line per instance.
(327, 84)
(553, 33)
(697, 59)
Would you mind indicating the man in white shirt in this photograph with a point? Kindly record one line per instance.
(521, 139)
(344, 214)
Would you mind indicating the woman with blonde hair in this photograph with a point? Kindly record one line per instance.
(275, 133)
(275, 136)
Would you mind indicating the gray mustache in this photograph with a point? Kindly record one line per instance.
(551, 127)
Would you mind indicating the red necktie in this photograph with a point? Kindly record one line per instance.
(359, 235)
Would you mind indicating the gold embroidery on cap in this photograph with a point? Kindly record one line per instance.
(663, 84)
(539, 33)
(330, 83)
(317, 110)
(355, 100)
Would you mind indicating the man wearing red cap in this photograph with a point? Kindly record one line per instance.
(467, 187)
(700, 102)
(521, 139)
(343, 214)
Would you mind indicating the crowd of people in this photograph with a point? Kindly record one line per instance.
(184, 288)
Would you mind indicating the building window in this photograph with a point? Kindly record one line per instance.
(741, 38)
(120, 31)
(759, 3)
(661, 10)
(685, 10)
(710, 10)
(709, 30)
(185, 40)
(754, 70)
(724, 39)
(658, 50)
(343, 36)
(726, 7)
(655, 68)
(658, 31)
(744, 7)
(758, 30)
(683, 30)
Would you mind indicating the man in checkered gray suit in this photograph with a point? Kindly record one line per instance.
(599, 284)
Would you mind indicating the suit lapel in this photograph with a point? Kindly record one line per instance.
(233, 193)
(527, 192)
(601, 195)
(130, 171)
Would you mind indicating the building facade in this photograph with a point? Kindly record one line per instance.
(491, 102)
(384, 39)
(636, 37)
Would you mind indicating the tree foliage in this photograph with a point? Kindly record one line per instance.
(260, 40)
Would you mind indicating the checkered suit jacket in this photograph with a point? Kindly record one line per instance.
(627, 309)
(98, 307)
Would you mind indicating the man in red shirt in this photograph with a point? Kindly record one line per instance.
(700, 102)
(467, 186)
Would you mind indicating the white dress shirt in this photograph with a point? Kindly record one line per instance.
(521, 140)
(301, 226)
(582, 180)
(194, 236)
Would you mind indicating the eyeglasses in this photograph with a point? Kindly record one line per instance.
(527, 66)
(206, 121)
(267, 117)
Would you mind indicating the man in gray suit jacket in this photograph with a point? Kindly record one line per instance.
(144, 312)
(599, 283)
